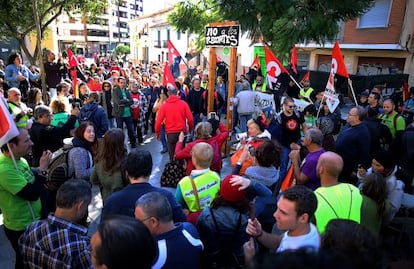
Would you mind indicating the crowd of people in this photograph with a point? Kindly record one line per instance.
(347, 187)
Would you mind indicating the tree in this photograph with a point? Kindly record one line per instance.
(16, 18)
(121, 51)
(279, 23)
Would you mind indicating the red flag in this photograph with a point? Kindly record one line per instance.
(294, 60)
(168, 77)
(305, 77)
(8, 128)
(173, 53)
(273, 67)
(338, 65)
(73, 66)
(256, 62)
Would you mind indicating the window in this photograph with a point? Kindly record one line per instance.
(168, 34)
(377, 16)
(178, 35)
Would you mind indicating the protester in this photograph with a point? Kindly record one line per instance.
(122, 242)
(138, 166)
(61, 240)
(179, 245)
(107, 172)
(20, 189)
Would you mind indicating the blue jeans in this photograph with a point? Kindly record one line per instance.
(284, 162)
(130, 127)
(163, 138)
(243, 121)
(111, 123)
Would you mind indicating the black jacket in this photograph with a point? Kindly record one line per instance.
(48, 137)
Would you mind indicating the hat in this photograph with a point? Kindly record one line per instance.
(364, 94)
(231, 193)
(385, 159)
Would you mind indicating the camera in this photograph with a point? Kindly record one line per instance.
(213, 115)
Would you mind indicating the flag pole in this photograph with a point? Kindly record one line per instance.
(12, 157)
(300, 88)
(320, 106)
(352, 90)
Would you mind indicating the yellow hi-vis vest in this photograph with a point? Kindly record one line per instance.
(263, 89)
(341, 201)
(207, 184)
(22, 123)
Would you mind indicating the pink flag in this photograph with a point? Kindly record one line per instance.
(8, 128)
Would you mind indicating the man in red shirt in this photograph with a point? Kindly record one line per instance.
(177, 118)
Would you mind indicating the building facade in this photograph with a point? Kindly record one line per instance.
(380, 42)
(100, 36)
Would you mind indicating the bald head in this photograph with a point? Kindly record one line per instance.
(329, 166)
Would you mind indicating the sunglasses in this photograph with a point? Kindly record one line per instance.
(290, 106)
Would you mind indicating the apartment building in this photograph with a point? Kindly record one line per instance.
(380, 42)
(101, 36)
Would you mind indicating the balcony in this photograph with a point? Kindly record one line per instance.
(157, 43)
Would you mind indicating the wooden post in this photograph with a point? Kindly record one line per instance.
(232, 84)
(211, 80)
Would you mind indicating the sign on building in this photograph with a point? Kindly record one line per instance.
(222, 36)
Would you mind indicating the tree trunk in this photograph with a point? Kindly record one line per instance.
(38, 50)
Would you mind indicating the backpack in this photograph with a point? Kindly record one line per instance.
(58, 168)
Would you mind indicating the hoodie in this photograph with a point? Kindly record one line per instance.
(175, 114)
(265, 175)
(96, 114)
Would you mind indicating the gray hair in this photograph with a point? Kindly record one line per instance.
(41, 110)
(315, 136)
(246, 85)
(155, 204)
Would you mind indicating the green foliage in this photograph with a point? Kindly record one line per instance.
(122, 50)
(281, 23)
(193, 16)
(16, 16)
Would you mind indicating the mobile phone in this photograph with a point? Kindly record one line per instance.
(76, 105)
(252, 151)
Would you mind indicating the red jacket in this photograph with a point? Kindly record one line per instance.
(175, 113)
(185, 153)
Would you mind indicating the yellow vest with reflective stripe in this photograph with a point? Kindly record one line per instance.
(207, 184)
(263, 88)
(341, 201)
(22, 123)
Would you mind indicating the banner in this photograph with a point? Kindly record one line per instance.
(8, 129)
